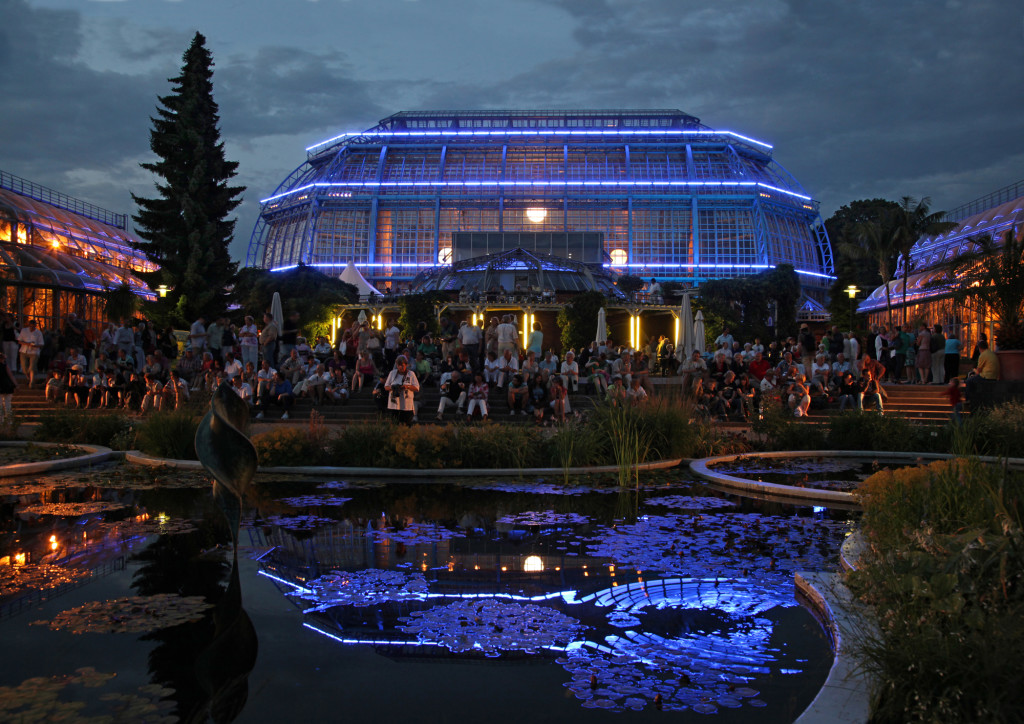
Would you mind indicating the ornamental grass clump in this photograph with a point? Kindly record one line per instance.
(79, 426)
(944, 575)
(288, 447)
(169, 434)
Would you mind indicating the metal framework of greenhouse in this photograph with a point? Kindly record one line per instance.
(672, 198)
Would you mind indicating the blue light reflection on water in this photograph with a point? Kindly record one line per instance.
(678, 618)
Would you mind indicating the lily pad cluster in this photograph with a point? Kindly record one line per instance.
(415, 534)
(62, 698)
(539, 488)
(690, 502)
(72, 509)
(152, 526)
(298, 522)
(543, 518)
(729, 545)
(491, 626)
(306, 501)
(17, 580)
(756, 465)
(134, 614)
(368, 587)
(651, 673)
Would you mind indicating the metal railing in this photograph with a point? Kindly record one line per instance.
(62, 201)
(1000, 196)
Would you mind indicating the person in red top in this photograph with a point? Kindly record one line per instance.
(758, 366)
(955, 399)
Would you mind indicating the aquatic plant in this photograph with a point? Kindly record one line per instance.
(169, 434)
(134, 614)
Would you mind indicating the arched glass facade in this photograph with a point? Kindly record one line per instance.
(671, 198)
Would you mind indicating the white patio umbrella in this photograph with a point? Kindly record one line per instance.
(276, 311)
(602, 326)
(686, 332)
(700, 341)
(362, 316)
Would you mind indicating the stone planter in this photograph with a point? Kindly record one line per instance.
(1011, 365)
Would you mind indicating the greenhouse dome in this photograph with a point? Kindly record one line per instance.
(655, 193)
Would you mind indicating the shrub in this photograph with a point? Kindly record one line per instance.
(169, 434)
(944, 576)
(501, 446)
(78, 426)
(363, 444)
(287, 446)
(857, 430)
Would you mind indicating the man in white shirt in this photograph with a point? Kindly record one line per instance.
(232, 367)
(470, 336)
(508, 365)
(265, 377)
(508, 337)
(242, 389)
(30, 342)
(249, 341)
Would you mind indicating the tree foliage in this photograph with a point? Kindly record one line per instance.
(744, 304)
(629, 284)
(854, 264)
(578, 320)
(185, 229)
(313, 294)
(120, 303)
(417, 309)
(915, 219)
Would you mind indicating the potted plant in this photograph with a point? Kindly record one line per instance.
(993, 274)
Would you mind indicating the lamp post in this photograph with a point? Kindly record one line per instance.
(162, 290)
(851, 291)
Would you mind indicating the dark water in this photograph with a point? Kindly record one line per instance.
(434, 602)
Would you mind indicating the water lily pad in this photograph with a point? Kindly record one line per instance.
(134, 614)
(362, 588)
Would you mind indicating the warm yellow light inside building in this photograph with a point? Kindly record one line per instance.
(444, 255)
(619, 257)
(533, 564)
(536, 215)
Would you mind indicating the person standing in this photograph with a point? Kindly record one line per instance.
(197, 335)
(938, 348)
(30, 341)
(951, 356)
(249, 341)
(268, 339)
(289, 335)
(808, 347)
(7, 388)
(214, 339)
(508, 337)
(469, 337)
(392, 338)
(402, 386)
(535, 343)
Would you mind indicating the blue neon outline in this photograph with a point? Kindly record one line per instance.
(514, 184)
(539, 132)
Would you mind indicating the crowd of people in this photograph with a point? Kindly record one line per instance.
(475, 368)
(132, 367)
(840, 369)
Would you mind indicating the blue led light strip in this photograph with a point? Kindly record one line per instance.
(533, 184)
(339, 265)
(544, 132)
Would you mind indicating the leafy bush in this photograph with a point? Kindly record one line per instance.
(363, 444)
(169, 434)
(858, 430)
(501, 446)
(287, 446)
(78, 426)
(944, 573)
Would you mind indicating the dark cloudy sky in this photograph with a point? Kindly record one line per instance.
(860, 99)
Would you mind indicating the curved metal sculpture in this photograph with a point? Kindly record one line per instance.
(227, 453)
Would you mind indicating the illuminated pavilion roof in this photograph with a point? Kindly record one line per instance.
(49, 239)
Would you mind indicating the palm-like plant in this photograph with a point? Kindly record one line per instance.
(876, 240)
(914, 219)
(993, 273)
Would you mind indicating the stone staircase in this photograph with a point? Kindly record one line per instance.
(30, 404)
(923, 403)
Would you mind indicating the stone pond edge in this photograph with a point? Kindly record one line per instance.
(93, 454)
(140, 458)
(814, 495)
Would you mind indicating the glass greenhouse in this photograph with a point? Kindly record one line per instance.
(666, 196)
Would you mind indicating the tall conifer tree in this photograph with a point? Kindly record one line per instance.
(186, 229)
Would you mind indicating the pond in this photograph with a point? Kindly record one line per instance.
(510, 600)
(806, 471)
